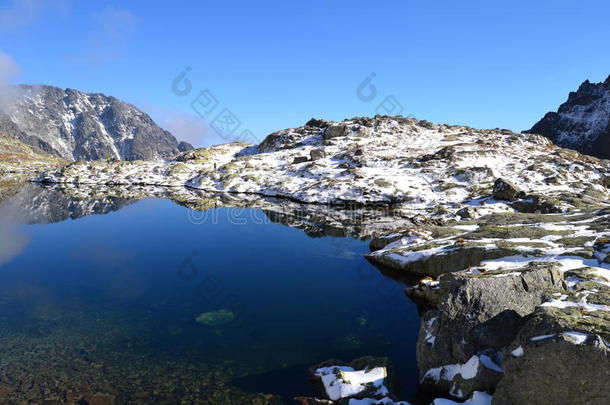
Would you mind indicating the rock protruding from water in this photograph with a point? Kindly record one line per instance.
(478, 314)
(502, 324)
(366, 379)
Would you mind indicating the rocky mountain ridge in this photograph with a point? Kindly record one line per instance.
(84, 126)
(582, 122)
(410, 164)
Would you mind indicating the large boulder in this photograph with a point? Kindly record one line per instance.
(447, 153)
(505, 190)
(563, 344)
(336, 131)
(380, 242)
(316, 123)
(467, 213)
(558, 348)
(426, 294)
(481, 314)
(300, 159)
(435, 259)
(536, 203)
(479, 373)
(317, 154)
(280, 140)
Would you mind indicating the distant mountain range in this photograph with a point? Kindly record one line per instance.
(75, 126)
(84, 126)
(582, 122)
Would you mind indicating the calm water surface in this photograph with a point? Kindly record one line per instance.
(132, 282)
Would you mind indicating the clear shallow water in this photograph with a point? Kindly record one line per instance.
(130, 284)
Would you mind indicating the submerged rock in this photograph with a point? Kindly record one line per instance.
(215, 318)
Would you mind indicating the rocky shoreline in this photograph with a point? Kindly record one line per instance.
(508, 234)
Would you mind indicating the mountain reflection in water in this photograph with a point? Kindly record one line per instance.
(107, 305)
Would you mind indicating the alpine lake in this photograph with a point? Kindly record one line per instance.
(158, 296)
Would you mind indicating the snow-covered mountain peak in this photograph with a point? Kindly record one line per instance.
(85, 126)
(582, 122)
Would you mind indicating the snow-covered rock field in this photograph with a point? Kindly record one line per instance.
(402, 161)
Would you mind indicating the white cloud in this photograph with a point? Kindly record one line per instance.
(116, 23)
(9, 70)
(109, 37)
(22, 13)
(186, 127)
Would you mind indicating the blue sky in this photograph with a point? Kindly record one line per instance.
(275, 64)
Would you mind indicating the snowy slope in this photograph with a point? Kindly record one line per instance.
(396, 160)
